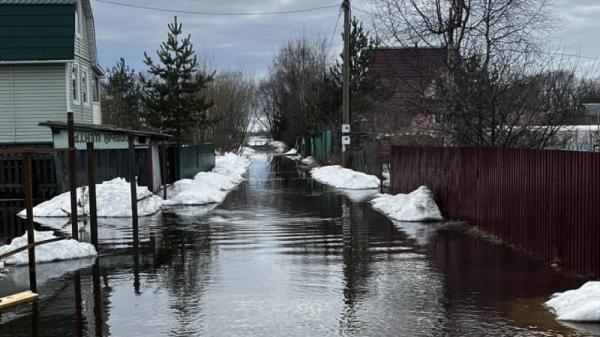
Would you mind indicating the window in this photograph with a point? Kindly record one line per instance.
(78, 20)
(96, 89)
(84, 87)
(75, 83)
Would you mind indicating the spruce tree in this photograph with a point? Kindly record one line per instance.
(363, 82)
(175, 96)
(122, 97)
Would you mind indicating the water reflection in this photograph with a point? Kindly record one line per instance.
(285, 256)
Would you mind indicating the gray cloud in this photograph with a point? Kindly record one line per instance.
(250, 42)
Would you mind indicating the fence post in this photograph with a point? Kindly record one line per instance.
(150, 166)
(163, 170)
(133, 184)
(72, 177)
(91, 175)
(30, 230)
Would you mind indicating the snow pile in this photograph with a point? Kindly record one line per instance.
(386, 179)
(192, 192)
(292, 152)
(419, 205)
(209, 187)
(54, 251)
(113, 199)
(248, 151)
(579, 305)
(308, 161)
(340, 177)
(279, 146)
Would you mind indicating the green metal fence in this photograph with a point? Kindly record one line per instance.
(319, 146)
(196, 158)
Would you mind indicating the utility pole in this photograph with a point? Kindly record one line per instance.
(346, 84)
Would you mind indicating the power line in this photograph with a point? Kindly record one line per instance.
(337, 23)
(295, 11)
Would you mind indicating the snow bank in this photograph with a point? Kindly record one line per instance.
(340, 177)
(279, 146)
(419, 205)
(209, 187)
(55, 251)
(308, 161)
(579, 305)
(113, 199)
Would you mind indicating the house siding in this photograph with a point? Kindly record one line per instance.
(31, 93)
(36, 93)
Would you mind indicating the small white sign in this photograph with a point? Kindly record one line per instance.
(345, 140)
(345, 128)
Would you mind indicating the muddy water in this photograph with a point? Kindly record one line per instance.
(285, 256)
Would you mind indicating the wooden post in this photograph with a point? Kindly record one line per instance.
(72, 177)
(97, 292)
(150, 169)
(27, 184)
(163, 170)
(91, 175)
(133, 184)
(79, 326)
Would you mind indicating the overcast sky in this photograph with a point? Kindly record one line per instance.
(250, 42)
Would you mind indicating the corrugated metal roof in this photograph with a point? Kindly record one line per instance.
(37, 2)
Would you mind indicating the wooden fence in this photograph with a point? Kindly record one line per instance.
(547, 202)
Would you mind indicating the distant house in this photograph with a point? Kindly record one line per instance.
(48, 67)
(406, 75)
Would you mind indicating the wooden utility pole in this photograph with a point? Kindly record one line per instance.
(346, 82)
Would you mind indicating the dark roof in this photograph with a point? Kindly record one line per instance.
(42, 31)
(107, 129)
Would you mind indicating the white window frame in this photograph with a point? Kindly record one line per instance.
(95, 88)
(78, 20)
(84, 79)
(74, 80)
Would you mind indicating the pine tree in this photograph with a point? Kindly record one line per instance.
(175, 96)
(122, 97)
(363, 82)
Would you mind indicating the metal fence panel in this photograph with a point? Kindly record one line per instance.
(544, 201)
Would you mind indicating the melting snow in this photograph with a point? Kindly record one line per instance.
(279, 146)
(209, 187)
(340, 177)
(416, 206)
(113, 199)
(308, 161)
(54, 251)
(579, 305)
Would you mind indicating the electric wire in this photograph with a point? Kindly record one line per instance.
(295, 11)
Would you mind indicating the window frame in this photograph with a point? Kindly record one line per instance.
(96, 89)
(85, 86)
(75, 84)
(78, 20)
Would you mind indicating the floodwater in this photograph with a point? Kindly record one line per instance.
(285, 256)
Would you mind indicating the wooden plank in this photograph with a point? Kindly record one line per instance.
(16, 299)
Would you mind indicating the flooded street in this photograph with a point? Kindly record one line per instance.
(286, 256)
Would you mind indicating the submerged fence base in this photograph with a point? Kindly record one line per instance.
(547, 202)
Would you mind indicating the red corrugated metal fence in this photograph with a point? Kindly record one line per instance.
(547, 202)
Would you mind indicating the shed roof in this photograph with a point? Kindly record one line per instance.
(37, 30)
(107, 129)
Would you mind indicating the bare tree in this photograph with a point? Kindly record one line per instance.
(500, 88)
(234, 97)
(290, 96)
